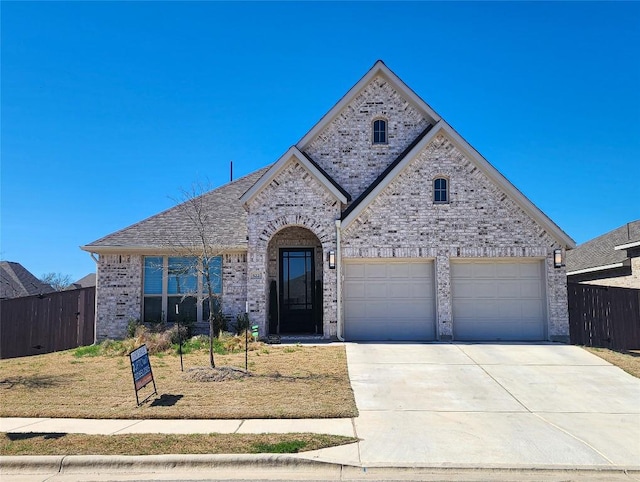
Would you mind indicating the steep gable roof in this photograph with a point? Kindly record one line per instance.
(379, 68)
(406, 157)
(17, 281)
(601, 253)
(309, 164)
(160, 232)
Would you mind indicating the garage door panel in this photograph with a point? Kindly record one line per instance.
(498, 299)
(389, 300)
(353, 271)
(374, 289)
(375, 270)
(484, 289)
(507, 289)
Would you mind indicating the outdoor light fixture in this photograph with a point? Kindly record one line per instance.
(557, 258)
(332, 260)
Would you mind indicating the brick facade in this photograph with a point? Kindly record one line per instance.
(344, 148)
(480, 221)
(119, 294)
(294, 208)
(294, 199)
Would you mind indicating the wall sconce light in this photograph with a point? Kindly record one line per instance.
(332, 260)
(557, 258)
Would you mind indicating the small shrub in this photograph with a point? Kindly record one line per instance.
(242, 323)
(132, 327)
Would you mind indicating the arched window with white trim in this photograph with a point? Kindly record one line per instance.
(440, 190)
(379, 131)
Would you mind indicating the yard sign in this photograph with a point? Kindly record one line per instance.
(141, 369)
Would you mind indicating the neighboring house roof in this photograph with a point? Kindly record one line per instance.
(309, 164)
(84, 282)
(17, 281)
(162, 231)
(600, 253)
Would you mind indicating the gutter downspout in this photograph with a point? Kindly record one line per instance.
(95, 305)
(339, 281)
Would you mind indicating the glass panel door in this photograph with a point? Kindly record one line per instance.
(296, 290)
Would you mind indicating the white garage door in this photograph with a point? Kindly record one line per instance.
(388, 299)
(498, 300)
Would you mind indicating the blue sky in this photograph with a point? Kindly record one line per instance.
(108, 109)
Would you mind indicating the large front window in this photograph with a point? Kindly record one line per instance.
(175, 288)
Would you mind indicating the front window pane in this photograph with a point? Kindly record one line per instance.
(215, 275)
(182, 278)
(187, 309)
(153, 275)
(152, 309)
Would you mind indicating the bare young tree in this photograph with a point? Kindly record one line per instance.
(57, 281)
(196, 243)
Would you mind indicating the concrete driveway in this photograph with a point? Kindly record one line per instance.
(492, 405)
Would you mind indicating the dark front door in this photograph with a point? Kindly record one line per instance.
(297, 290)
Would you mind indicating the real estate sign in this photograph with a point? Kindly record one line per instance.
(141, 369)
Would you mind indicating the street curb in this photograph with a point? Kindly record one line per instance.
(30, 464)
(155, 463)
(76, 464)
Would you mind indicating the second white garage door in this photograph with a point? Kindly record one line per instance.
(498, 299)
(389, 299)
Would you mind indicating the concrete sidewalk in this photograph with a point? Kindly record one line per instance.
(331, 426)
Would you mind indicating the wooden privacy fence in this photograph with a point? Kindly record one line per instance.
(604, 316)
(46, 323)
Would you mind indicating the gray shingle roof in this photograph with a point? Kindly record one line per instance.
(600, 251)
(17, 281)
(227, 228)
(84, 282)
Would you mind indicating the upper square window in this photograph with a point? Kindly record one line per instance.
(440, 190)
(379, 131)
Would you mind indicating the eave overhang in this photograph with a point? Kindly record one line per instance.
(623, 264)
(634, 244)
(159, 250)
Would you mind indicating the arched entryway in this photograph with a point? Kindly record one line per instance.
(294, 275)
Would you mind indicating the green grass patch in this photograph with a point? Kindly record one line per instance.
(91, 350)
(158, 444)
(285, 447)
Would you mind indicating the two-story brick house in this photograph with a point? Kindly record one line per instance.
(381, 223)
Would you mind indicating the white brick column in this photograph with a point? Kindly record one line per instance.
(443, 297)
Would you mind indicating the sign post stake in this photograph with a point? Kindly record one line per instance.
(179, 339)
(246, 338)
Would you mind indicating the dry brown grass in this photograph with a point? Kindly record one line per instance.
(157, 444)
(629, 361)
(286, 382)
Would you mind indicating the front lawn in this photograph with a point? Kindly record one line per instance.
(157, 444)
(285, 382)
